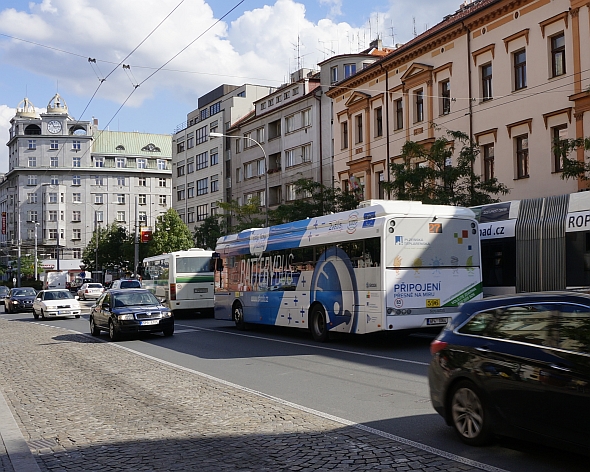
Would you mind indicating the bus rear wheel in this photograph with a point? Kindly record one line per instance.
(239, 317)
(317, 324)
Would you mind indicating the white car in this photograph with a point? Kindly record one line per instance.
(90, 290)
(56, 302)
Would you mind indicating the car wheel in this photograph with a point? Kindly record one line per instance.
(168, 331)
(35, 314)
(76, 316)
(83, 297)
(94, 330)
(113, 332)
(239, 317)
(469, 415)
(317, 324)
(42, 315)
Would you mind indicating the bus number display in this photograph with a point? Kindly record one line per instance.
(435, 227)
(432, 302)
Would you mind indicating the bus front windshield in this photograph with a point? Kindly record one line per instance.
(192, 265)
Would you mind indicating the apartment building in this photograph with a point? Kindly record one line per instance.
(65, 177)
(514, 74)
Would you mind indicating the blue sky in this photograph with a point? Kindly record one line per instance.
(255, 43)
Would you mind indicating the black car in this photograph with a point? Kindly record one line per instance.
(516, 366)
(3, 293)
(130, 311)
(19, 299)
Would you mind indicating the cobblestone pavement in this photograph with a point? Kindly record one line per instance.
(85, 404)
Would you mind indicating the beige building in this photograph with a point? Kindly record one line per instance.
(514, 74)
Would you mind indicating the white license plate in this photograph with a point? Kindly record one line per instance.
(436, 321)
(149, 322)
(63, 312)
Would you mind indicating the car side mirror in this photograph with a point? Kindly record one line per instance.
(106, 306)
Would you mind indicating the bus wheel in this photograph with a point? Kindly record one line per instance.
(317, 324)
(239, 317)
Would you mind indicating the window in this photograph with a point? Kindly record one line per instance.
(214, 209)
(271, 102)
(77, 197)
(54, 180)
(162, 199)
(214, 157)
(76, 233)
(161, 182)
(180, 193)
(161, 164)
(52, 234)
(98, 198)
(120, 162)
(32, 161)
(239, 174)
(202, 186)
(53, 144)
(201, 212)
(286, 95)
(486, 82)
(52, 215)
(76, 145)
(488, 161)
(333, 75)
(260, 135)
(263, 106)
(399, 114)
(98, 180)
(306, 118)
(121, 181)
(32, 180)
(295, 91)
(274, 129)
(519, 70)
(215, 108)
(278, 98)
(190, 215)
(201, 135)
(378, 122)
(289, 124)
(260, 167)
(214, 183)
(77, 215)
(201, 161)
(121, 198)
(180, 147)
(142, 218)
(559, 134)
(359, 129)
(190, 165)
(190, 190)
(522, 156)
(76, 180)
(344, 126)
(238, 145)
(120, 216)
(32, 216)
(349, 69)
(99, 162)
(291, 193)
(180, 171)
(419, 106)
(289, 158)
(32, 144)
(445, 94)
(141, 163)
(77, 253)
(248, 170)
(31, 198)
(141, 182)
(53, 161)
(306, 153)
(98, 216)
(558, 55)
(76, 161)
(52, 197)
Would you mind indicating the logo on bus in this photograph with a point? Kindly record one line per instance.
(352, 222)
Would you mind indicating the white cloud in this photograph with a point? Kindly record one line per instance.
(6, 114)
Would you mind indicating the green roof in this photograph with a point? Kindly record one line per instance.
(132, 144)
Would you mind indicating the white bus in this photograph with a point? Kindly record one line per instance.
(183, 279)
(389, 265)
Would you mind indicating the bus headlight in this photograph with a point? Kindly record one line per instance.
(125, 316)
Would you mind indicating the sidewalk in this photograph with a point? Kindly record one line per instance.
(85, 404)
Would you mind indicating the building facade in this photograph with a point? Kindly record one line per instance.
(66, 177)
(513, 74)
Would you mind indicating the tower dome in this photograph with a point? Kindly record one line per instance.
(26, 109)
(57, 105)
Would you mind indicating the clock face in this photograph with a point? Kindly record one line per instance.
(54, 126)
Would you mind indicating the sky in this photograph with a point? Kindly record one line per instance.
(178, 50)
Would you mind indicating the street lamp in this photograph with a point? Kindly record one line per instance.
(36, 260)
(266, 195)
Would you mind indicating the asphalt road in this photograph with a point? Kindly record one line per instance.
(378, 381)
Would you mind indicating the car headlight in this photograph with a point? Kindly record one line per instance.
(166, 314)
(125, 316)
(15, 302)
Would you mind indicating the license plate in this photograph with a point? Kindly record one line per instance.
(201, 290)
(436, 321)
(63, 312)
(149, 322)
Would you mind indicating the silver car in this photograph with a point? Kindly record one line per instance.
(90, 290)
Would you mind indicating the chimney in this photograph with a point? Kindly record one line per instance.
(95, 122)
(376, 44)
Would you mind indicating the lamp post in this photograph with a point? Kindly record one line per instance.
(36, 260)
(266, 195)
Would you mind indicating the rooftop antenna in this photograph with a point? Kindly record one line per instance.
(326, 48)
(414, 25)
(392, 33)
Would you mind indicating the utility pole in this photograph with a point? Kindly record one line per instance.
(136, 261)
(18, 243)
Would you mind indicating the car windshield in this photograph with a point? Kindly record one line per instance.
(23, 292)
(94, 286)
(135, 299)
(130, 284)
(58, 295)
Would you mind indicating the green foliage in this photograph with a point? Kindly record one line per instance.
(316, 200)
(426, 176)
(241, 217)
(115, 249)
(572, 168)
(207, 233)
(170, 234)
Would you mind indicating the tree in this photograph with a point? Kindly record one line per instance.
(207, 233)
(427, 175)
(245, 216)
(572, 167)
(316, 200)
(115, 249)
(170, 234)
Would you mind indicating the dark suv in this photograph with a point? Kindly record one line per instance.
(516, 366)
